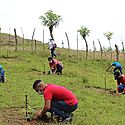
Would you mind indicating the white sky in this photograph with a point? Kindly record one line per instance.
(99, 16)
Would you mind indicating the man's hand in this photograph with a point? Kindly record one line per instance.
(39, 113)
(53, 71)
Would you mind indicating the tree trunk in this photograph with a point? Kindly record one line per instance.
(51, 32)
(86, 48)
(67, 41)
(110, 49)
(100, 48)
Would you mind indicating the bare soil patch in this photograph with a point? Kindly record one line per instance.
(14, 116)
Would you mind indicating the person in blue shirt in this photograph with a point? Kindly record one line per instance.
(2, 74)
(117, 66)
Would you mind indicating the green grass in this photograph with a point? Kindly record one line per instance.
(85, 78)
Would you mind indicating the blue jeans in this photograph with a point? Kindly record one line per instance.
(121, 88)
(61, 109)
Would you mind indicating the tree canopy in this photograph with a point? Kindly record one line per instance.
(108, 35)
(84, 32)
(50, 19)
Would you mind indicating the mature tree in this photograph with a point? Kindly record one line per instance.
(108, 35)
(84, 32)
(50, 20)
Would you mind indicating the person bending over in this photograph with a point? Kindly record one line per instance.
(2, 74)
(120, 82)
(56, 66)
(57, 99)
(117, 66)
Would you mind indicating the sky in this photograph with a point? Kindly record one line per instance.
(99, 16)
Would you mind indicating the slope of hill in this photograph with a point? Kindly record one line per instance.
(93, 86)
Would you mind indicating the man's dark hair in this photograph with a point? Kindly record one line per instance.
(36, 83)
(50, 58)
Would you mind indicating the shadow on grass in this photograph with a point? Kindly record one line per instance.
(9, 57)
(110, 91)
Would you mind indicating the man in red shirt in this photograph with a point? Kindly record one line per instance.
(120, 82)
(58, 100)
(55, 66)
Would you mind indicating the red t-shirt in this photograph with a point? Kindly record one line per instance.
(54, 64)
(59, 93)
(121, 80)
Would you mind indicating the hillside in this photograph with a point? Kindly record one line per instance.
(88, 79)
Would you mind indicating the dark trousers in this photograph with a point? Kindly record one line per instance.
(53, 53)
(2, 79)
(59, 69)
(61, 109)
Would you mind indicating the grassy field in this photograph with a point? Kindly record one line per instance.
(88, 79)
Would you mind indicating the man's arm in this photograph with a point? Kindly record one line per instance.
(54, 67)
(108, 68)
(43, 111)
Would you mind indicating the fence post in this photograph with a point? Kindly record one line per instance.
(15, 39)
(32, 40)
(26, 105)
(43, 44)
(105, 84)
(67, 41)
(77, 45)
(23, 38)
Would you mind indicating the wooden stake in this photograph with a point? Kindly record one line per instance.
(44, 70)
(26, 105)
